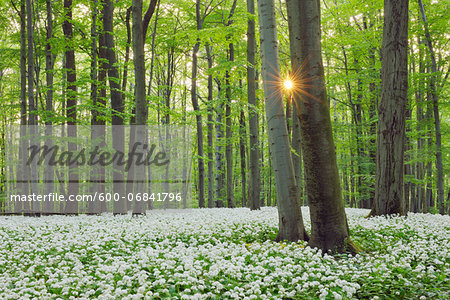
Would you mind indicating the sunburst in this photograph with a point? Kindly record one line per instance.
(296, 85)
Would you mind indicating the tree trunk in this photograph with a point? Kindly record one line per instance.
(289, 213)
(437, 123)
(198, 115)
(296, 66)
(32, 118)
(48, 206)
(228, 135)
(210, 130)
(389, 194)
(71, 90)
(329, 229)
(141, 106)
(100, 106)
(220, 174)
(22, 175)
(242, 154)
(254, 186)
(373, 128)
(420, 140)
(116, 105)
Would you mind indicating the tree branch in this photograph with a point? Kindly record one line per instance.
(147, 17)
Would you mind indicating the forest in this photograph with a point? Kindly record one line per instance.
(290, 149)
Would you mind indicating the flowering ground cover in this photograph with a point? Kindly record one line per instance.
(218, 253)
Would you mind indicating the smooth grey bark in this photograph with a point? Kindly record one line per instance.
(32, 105)
(228, 131)
(254, 182)
(117, 105)
(132, 132)
(150, 82)
(242, 154)
(101, 105)
(127, 53)
(93, 207)
(437, 122)
(373, 127)
(198, 115)
(220, 172)
(297, 154)
(228, 136)
(389, 187)
(71, 207)
(329, 228)
(289, 213)
(141, 107)
(48, 206)
(295, 98)
(22, 171)
(210, 129)
(420, 166)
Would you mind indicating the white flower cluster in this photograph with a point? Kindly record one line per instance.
(226, 253)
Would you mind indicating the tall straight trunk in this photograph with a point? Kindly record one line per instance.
(153, 47)
(407, 167)
(60, 175)
(228, 134)
(254, 183)
(210, 130)
(346, 187)
(32, 107)
(352, 182)
(228, 121)
(48, 206)
(289, 213)
(95, 176)
(420, 166)
(22, 171)
(389, 194)
(127, 53)
(131, 141)
(198, 115)
(437, 122)
(429, 166)
(3, 182)
(169, 82)
(329, 228)
(295, 98)
(220, 173)
(100, 106)
(71, 90)
(141, 107)
(297, 147)
(373, 128)
(242, 154)
(362, 170)
(356, 124)
(116, 105)
(150, 82)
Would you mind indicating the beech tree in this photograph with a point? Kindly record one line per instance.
(194, 98)
(289, 213)
(329, 228)
(254, 185)
(71, 90)
(389, 188)
(437, 123)
(117, 106)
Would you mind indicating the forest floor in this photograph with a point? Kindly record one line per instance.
(219, 253)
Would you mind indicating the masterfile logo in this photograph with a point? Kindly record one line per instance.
(97, 166)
